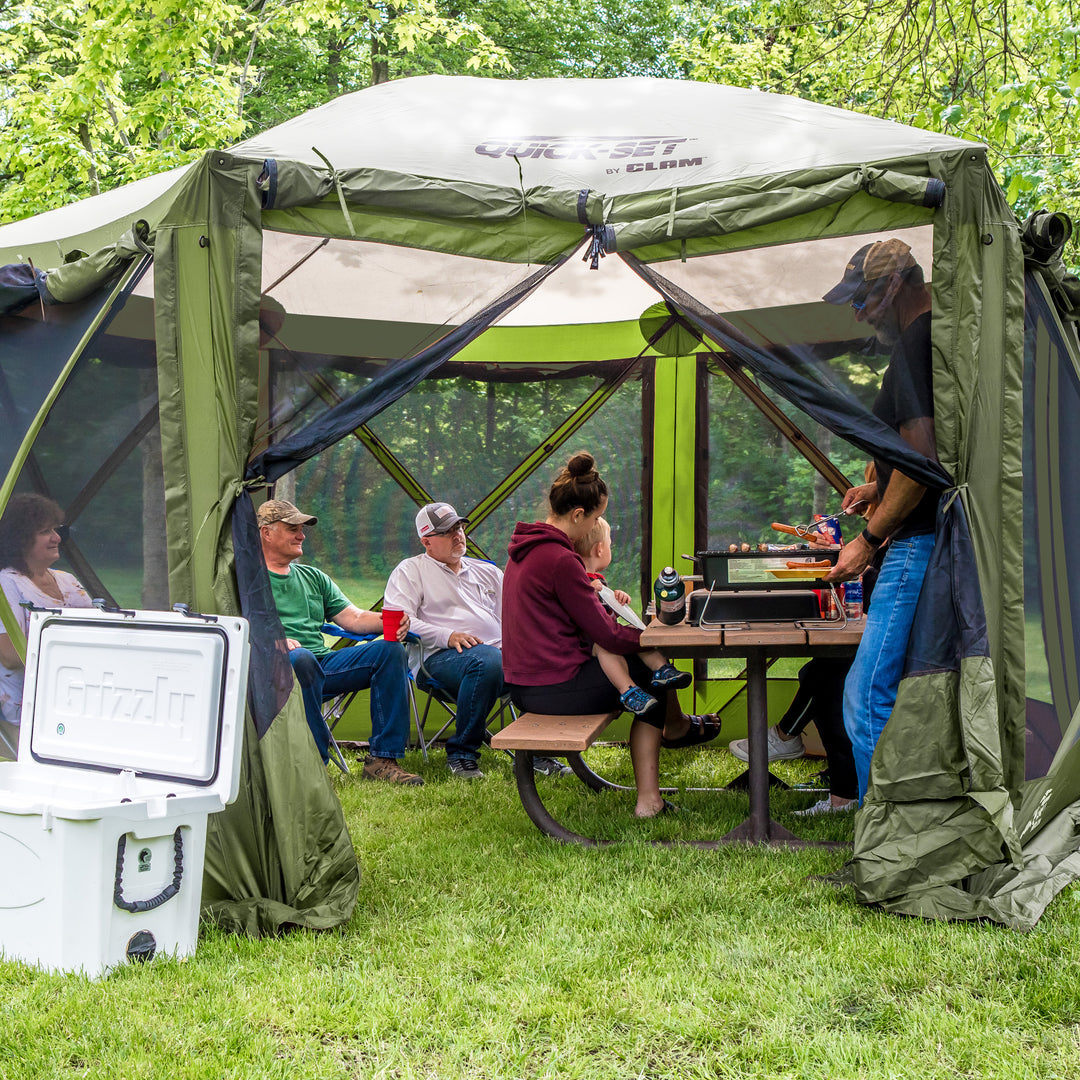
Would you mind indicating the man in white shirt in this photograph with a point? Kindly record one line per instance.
(454, 604)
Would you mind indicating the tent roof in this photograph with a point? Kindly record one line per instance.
(90, 223)
(615, 136)
(618, 136)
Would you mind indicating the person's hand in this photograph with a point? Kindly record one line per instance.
(403, 629)
(622, 597)
(460, 640)
(596, 583)
(853, 559)
(855, 497)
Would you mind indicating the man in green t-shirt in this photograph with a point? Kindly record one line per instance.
(305, 599)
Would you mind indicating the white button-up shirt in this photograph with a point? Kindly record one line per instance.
(440, 602)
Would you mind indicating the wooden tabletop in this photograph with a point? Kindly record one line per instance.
(776, 638)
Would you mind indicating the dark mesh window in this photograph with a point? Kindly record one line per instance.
(458, 438)
(1051, 521)
(99, 456)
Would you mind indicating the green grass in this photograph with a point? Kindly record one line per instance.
(481, 949)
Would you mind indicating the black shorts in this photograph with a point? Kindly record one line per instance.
(588, 691)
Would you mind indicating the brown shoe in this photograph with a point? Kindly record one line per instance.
(386, 768)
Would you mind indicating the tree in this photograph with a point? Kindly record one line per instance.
(1004, 74)
(98, 93)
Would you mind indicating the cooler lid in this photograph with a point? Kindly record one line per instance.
(156, 693)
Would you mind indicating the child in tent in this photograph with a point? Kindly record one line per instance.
(595, 551)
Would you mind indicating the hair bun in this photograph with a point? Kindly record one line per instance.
(581, 464)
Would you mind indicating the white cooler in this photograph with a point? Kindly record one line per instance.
(131, 734)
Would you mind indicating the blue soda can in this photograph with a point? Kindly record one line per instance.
(831, 530)
(853, 605)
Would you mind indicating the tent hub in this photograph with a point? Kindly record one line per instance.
(130, 739)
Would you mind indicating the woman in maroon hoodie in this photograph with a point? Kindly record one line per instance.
(551, 618)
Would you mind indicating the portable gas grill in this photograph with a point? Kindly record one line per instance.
(763, 586)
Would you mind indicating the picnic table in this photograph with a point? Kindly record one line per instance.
(756, 643)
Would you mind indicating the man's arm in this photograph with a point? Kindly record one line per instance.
(901, 497)
(357, 621)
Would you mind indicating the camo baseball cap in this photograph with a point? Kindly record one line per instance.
(282, 510)
(437, 517)
(868, 265)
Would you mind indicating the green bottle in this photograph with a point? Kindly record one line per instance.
(670, 597)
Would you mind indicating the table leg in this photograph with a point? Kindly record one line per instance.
(759, 826)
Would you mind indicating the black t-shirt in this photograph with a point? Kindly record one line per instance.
(907, 394)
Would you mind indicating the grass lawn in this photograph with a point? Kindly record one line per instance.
(481, 949)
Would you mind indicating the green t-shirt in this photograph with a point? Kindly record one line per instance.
(305, 599)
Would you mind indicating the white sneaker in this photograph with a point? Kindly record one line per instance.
(826, 806)
(779, 749)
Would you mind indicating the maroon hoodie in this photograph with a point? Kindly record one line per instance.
(551, 614)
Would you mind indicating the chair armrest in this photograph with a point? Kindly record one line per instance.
(333, 630)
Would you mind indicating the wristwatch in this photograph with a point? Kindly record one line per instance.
(871, 539)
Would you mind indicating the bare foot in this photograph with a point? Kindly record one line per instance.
(664, 808)
(649, 809)
(681, 727)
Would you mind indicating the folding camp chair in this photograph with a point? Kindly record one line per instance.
(336, 706)
(446, 700)
(435, 692)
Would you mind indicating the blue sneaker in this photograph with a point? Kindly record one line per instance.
(635, 700)
(669, 677)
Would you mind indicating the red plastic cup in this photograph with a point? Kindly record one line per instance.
(391, 623)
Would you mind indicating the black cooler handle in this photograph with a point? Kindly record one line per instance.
(166, 894)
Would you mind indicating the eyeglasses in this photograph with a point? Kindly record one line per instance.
(458, 528)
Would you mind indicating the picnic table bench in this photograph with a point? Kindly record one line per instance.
(569, 736)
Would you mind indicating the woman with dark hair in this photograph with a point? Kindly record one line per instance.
(551, 619)
(29, 545)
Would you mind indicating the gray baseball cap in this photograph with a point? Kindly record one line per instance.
(437, 517)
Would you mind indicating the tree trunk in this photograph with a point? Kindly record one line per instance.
(380, 56)
(334, 48)
(380, 66)
(285, 488)
(88, 146)
(824, 495)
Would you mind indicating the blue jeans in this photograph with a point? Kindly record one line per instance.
(475, 677)
(378, 664)
(870, 690)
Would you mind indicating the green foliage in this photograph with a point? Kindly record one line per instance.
(99, 94)
(459, 438)
(95, 94)
(1006, 75)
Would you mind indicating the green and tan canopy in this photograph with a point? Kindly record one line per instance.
(428, 288)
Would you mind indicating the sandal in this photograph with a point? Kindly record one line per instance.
(702, 729)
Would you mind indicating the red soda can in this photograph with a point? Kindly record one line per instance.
(827, 599)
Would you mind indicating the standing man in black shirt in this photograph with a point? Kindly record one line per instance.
(885, 286)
